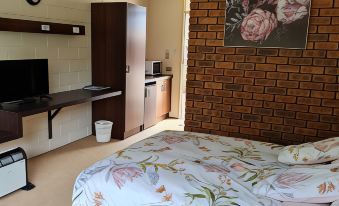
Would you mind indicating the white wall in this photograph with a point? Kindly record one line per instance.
(165, 30)
(69, 68)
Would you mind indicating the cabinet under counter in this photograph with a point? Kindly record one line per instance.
(158, 91)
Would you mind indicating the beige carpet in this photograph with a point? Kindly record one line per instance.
(54, 173)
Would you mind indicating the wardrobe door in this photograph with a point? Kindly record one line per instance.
(109, 61)
(135, 68)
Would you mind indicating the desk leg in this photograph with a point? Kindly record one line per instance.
(50, 120)
(50, 126)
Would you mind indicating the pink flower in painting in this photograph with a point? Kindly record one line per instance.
(121, 175)
(216, 169)
(173, 139)
(258, 25)
(289, 11)
(238, 167)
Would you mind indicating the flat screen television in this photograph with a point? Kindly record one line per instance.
(23, 79)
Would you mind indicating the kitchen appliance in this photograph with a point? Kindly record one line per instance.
(13, 171)
(153, 67)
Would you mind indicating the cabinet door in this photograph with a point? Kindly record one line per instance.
(135, 68)
(150, 105)
(167, 96)
(159, 99)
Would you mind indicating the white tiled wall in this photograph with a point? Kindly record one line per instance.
(69, 68)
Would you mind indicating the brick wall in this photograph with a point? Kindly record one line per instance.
(278, 95)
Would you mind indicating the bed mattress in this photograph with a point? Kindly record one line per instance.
(180, 169)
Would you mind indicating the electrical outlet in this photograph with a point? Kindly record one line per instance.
(167, 54)
(76, 30)
(45, 28)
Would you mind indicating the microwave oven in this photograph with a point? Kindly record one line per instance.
(153, 67)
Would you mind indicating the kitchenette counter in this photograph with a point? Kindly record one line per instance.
(150, 79)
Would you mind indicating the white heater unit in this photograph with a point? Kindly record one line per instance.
(13, 171)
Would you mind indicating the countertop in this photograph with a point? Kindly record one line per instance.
(149, 79)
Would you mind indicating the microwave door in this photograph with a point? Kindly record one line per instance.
(157, 68)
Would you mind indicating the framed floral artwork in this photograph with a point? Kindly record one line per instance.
(267, 23)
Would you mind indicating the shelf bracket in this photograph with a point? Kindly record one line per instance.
(51, 116)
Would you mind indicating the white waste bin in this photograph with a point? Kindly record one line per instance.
(103, 131)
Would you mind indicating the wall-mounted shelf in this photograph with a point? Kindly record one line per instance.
(18, 25)
(11, 116)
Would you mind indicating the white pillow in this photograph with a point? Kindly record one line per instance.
(310, 153)
(317, 184)
(335, 161)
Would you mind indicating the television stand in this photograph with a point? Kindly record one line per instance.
(11, 127)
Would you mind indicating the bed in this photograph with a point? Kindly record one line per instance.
(181, 169)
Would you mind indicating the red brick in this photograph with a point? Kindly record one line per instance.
(241, 109)
(321, 110)
(263, 111)
(225, 50)
(299, 92)
(288, 84)
(249, 131)
(285, 99)
(213, 85)
(215, 57)
(255, 59)
(204, 105)
(219, 120)
(277, 75)
(319, 125)
(305, 131)
(312, 70)
(323, 94)
(207, 20)
(207, 35)
(222, 93)
(224, 65)
(265, 82)
(320, 20)
(210, 42)
(255, 89)
(277, 60)
(326, 45)
(311, 85)
(209, 5)
(322, 4)
(252, 103)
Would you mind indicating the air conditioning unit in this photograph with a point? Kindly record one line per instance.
(13, 171)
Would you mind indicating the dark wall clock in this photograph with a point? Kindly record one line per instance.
(33, 2)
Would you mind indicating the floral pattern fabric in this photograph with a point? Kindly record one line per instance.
(311, 153)
(182, 169)
(308, 184)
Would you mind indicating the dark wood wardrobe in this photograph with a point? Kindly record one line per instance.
(118, 61)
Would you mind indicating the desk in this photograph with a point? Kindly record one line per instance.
(11, 116)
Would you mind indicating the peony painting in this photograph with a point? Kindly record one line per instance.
(267, 23)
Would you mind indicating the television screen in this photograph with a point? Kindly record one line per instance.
(21, 79)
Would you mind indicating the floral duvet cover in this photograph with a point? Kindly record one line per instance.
(180, 169)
